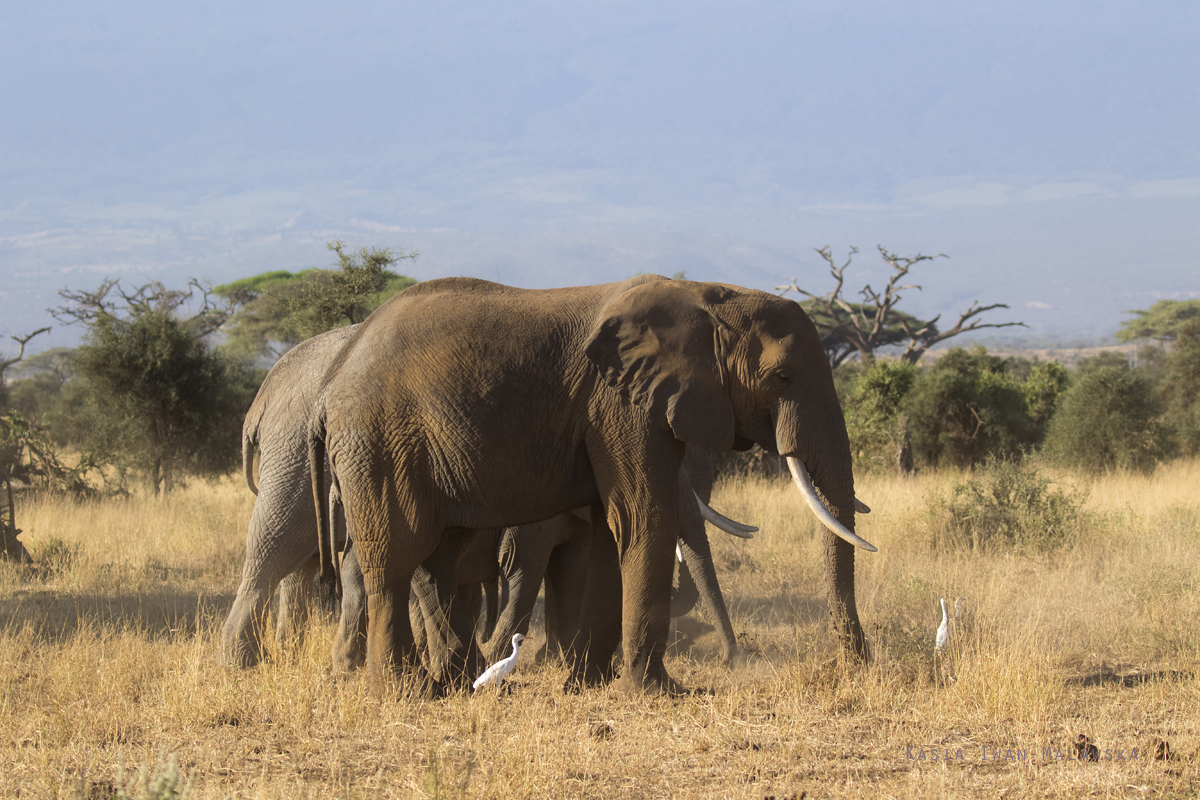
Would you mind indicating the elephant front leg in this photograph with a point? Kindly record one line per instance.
(591, 651)
(647, 567)
(453, 655)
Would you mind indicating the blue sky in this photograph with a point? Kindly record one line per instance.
(1050, 149)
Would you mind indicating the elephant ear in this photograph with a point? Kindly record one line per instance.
(661, 348)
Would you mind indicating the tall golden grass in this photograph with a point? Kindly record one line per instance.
(109, 668)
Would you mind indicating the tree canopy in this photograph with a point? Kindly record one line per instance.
(277, 310)
(158, 397)
(1109, 419)
(1163, 321)
(965, 407)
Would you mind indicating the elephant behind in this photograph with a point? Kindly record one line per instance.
(282, 537)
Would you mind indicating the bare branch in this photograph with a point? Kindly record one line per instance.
(149, 297)
(21, 340)
(863, 327)
(85, 306)
(211, 315)
(922, 341)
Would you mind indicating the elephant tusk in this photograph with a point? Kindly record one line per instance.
(678, 553)
(723, 522)
(805, 485)
(860, 507)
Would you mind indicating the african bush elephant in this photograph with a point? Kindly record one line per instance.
(282, 537)
(281, 542)
(462, 404)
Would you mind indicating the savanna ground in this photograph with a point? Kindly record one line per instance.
(109, 671)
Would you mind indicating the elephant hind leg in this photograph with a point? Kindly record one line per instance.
(296, 599)
(350, 641)
(242, 633)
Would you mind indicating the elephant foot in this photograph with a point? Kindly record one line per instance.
(546, 655)
(346, 659)
(349, 650)
(240, 654)
(402, 683)
(588, 674)
(653, 680)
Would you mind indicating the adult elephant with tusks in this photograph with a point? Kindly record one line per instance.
(462, 404)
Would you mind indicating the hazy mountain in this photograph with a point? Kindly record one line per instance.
(1050, 150)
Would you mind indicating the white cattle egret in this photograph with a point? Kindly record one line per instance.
(943, 634)
(496, 673)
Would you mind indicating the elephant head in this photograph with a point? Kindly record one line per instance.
(723, 367)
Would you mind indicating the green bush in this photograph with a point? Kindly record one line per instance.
(1008, 503)
(159, 398)
(964, 408)
(1109, 419)
(1181, 388)
(874, 422)
(1043, 389)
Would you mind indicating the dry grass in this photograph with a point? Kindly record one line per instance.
(108, 665)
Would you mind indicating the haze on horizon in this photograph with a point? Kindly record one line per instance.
(1049, 149)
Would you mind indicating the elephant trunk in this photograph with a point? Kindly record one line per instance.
(835, 506)
(697, 477)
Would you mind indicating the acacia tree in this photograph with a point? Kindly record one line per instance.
(847, 328)
(1163, 321)
(158, 397)
(277, 310)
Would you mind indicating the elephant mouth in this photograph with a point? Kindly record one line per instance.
(808, 491)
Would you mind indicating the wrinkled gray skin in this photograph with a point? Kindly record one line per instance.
(281, 544)
(554, 550)
(462, 405)
(558, 549)
(282, 537)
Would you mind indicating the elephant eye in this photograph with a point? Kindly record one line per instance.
(783, 378)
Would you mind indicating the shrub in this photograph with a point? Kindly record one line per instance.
(159, 398)
(1009, 502)
(165, 782)
(1109, 419)
(1181, 388)
(965, 408)
(874, 422)
(1043, 390)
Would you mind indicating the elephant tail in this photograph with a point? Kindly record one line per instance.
(248, 459)
(327, 580)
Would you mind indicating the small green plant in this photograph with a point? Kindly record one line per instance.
(1008, 502)
(166, 782)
